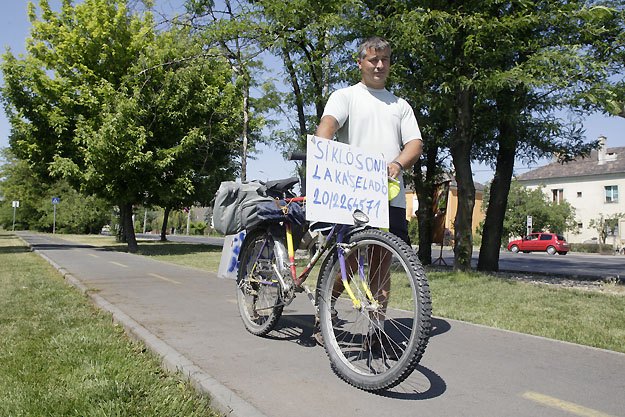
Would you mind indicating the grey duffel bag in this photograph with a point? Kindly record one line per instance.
(235, 206)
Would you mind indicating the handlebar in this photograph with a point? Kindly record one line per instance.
(296, 156)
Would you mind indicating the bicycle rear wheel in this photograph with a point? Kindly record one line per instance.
(259, 294)
(375, 345)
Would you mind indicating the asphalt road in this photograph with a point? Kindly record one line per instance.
(190, 318)
(572, 264)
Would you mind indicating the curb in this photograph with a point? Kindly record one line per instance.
(223, 398)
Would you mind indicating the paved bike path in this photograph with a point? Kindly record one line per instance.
(190, 317)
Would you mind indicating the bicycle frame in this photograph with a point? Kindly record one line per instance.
(340, 230)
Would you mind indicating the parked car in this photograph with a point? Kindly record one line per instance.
(551, 243)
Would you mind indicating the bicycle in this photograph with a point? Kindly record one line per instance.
(381, 281)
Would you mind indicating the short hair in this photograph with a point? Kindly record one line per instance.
(375, 42)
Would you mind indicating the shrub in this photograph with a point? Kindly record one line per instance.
(584, 247)
(477, 239)
(198, 228)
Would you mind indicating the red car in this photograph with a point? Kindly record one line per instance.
(552, 243)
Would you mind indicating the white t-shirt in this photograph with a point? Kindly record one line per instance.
(376, 120)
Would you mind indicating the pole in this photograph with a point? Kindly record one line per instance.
(188, 220)
(14, 208)
(145, 219)
(54, 220)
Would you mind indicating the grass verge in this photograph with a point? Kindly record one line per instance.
(577, 316)
(60, 356)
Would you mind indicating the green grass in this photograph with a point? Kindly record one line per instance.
(60, 356)
(584, 317)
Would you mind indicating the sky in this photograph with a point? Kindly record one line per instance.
(268, 163)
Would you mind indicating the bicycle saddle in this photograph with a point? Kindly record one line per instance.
(283, 185)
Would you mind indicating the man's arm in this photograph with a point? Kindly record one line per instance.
(407, 158)
(327, 127)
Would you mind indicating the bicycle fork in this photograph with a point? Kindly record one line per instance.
(373, 304)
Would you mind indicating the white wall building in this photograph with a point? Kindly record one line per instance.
(591, 185)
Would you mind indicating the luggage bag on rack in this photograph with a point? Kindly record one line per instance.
(236, 206)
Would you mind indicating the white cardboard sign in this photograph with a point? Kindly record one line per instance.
(229, 263)
(340, 179)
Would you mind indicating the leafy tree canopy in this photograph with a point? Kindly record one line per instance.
(547, 215)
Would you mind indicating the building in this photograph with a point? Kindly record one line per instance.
(412, 204)
(591, 185)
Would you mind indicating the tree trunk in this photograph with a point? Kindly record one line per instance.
(425, 193)
(164, 227)
(121, 234)
(299, 99)
(497, 204)
(246, 119)
(461, 154)
(129, 229)
(508, 110)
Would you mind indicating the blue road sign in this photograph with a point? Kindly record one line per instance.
(55, 200)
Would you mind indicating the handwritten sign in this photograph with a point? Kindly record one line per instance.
(340, 179)
(229, 262)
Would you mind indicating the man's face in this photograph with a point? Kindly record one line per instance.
(375, 67)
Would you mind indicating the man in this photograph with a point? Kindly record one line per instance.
(367, 115)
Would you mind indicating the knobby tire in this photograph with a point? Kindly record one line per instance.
(353, 338)
(259, 295)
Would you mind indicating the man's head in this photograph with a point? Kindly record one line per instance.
(376, 43)
(374, 61)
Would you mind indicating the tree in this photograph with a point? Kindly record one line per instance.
(236, 33)
(76, 60)
(546, 215)
(180, 104)
(606, 225)
(549, 64)
(311, 37)
(104, 101)
(488, 76)
(76, 213)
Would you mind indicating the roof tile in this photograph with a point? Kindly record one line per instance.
(579, 168)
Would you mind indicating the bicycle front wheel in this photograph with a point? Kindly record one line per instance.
(259, 294)
(375, 342)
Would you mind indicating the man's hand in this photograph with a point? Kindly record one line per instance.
(393, 170)
(407, 158)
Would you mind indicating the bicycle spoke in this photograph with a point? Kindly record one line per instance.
(377, 343)
(258, 294)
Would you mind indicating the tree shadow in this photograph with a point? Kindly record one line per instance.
(14, 249)
(176, 248)
(154, 248)
(59, 246)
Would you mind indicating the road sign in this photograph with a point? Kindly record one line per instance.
(16, 204)
(55, 200)
(529, 221)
